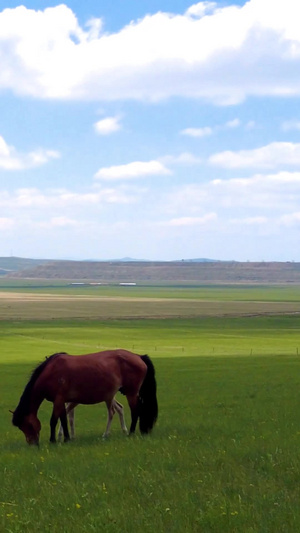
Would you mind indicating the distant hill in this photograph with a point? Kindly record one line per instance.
(133, 260)
(163, 271)
(14, 264)
(202, 260)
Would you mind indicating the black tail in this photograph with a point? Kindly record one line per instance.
(148, 408)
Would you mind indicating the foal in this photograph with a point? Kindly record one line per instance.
(116, 407)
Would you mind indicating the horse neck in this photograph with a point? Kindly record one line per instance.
(36, 399)
(29, 404)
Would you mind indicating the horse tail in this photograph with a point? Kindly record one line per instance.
(148, 408)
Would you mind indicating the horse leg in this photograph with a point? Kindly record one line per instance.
(71, 416)
(60, 429)
(120, 410)
(110, 415)
(133, 402)
(70, 412)
(59, 411)
(64, 423)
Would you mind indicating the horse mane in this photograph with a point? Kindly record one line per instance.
(23, 407)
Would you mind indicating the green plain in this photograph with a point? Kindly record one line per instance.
(224, 455)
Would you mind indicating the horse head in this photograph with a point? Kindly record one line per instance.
(31, 427)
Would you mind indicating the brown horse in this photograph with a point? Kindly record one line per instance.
(88, 379)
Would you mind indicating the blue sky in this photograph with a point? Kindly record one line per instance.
(150, 131)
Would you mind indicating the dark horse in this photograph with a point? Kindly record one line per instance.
(88, 379)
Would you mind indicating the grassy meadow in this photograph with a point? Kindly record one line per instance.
(224, 455)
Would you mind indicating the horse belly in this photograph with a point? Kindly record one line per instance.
(91, 388)
(86, 397)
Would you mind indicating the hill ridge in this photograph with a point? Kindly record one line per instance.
(163, 271)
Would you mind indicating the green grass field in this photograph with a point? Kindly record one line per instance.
(223, 456)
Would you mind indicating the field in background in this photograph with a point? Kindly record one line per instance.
(60, 300)
(224, 456)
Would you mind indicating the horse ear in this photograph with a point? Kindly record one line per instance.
(12, 412)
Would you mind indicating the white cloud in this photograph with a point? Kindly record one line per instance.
(266, 191)
(197, 132)
(289, 125)
(63, 222)
(39, 157)
(5, 150)
(208, 130)
(191, 221)
(222, 54)
(250, 221)
(6, 223)
(270, 156)
(31, 199)
(185, 158)
(132, 170)
(201, 9)
(107, 125)
(231, 124)
(10, 159)
(247, 198)
(291, 219)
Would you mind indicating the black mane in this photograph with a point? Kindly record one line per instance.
(24, 404)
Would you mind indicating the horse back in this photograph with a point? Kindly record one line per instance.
(92, 378)
(133, 370)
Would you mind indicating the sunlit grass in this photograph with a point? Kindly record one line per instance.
(241, 336)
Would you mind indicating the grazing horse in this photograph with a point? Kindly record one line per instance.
(88, 379)
(116, 407)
